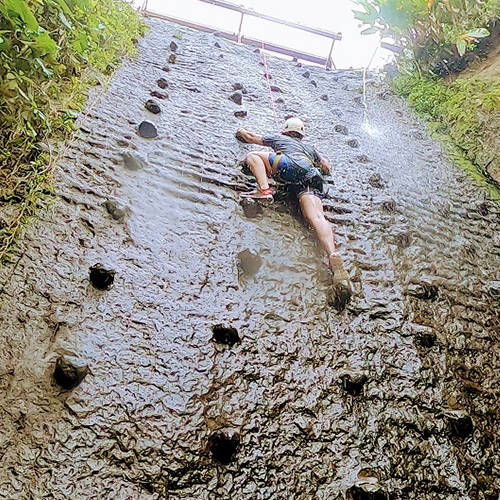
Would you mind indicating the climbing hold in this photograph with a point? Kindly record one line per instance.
(363, 492)
(256, 51)
(424, 291)
(240, 114)
(483, 209)
(172, 59)
(118, 212)
(340, 297)
(362, 159)
(227, 335)
(67, 374)
(416, 134)
(376, 181)
(147, 129)
(353, 382)
(238, 86)
(196, 90)
(223, 448)
(461, 424)
(299, 65)
(132, 161)
(158, 94)
(268, 76)
(162, 83)
(358, 99)
(353, 143)
(324, 97)
(251, 208)
(427, 339)
(166, 69)
(275, 88)
(306, 74)
(237, 98)
(313, 83)
(280, 100)
(217, 44)
(249, 262)
(341, 129)
(100, 277)
(173, 46)
(152, 106)
(388, 205)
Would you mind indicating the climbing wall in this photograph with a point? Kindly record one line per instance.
(218, 364)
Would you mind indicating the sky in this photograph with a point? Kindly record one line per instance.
(354, 50)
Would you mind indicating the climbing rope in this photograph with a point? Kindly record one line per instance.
(365, 70)
(268, 78)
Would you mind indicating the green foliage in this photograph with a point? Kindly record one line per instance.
(430, 29)
(48, 51)
(463, 110)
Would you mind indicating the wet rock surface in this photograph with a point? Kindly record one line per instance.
(141, 425)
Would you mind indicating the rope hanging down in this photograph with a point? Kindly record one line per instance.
(268, 78)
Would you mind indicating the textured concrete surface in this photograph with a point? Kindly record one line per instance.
(421, 242)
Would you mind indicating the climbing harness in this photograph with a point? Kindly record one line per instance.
(268, 78)
(276, 162)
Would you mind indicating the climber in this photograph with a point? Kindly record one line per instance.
(294, 163)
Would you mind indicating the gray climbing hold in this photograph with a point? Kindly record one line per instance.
(362, 159)
(306, 74)
(313, 83)
(162, 83)
(341, 129)
(376, 181)
(173, 46)
(251, 208)
(237, 98)
(132, 161)
(354, 143)
(324, 97)
(67, 374)
(151, 106)
(240, 114)
(257, 51)
(166, 69)
(280, 100)
(117, 210)
(147, 129)
(172, 59)
(217, 44)
(248, 262)
(268, 76)
(238, 86)
(275, 88)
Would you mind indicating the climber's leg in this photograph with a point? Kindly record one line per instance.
(258, 162)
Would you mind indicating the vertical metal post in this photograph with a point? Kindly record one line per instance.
(239, 29)
(329, 61)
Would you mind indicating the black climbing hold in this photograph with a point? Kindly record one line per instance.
(388, 205)
(423, 291)
(217, 44)
(237, 98)
(249, 262)
(324, 97)
(158, 94)
(280, 100)
(353, 382)
(427, 339)
(257, 51)
(238, 86)
(147, 129)
(299, 65)
(251, 208)
(461, 425)
(222, 448)
(362, 159)
(152, 106)
(354, 143)
(118, 212)
(306, 74)
(313, 83)
(227, 335)
(268, 76)
(240, 114)
(166, 69)
(375, 181)
(173, 46)
(67, 374)
(360, 493)
(294, 59)
(100, 277)
(172, 59)
(132, 161)
(275, 88)
(196, 90)
(341, 129)
(162, 83)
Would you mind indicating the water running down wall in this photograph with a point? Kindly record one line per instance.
(420, 335)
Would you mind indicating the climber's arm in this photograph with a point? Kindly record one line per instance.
(324, 165)
(249, 137)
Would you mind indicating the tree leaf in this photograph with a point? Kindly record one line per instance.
(65, 21)
(44, 43)
(20, 9)
(478, 33)
(461, 47)
(370, 31)
(46, 71)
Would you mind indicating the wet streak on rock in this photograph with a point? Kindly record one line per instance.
(140, 427)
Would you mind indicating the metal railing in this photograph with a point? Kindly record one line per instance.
(238, 37)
